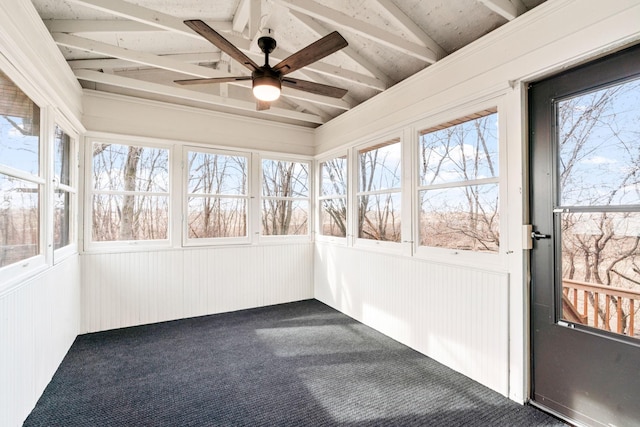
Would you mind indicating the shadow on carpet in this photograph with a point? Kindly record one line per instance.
(297, 364)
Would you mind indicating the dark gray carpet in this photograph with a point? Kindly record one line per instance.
(298, 364)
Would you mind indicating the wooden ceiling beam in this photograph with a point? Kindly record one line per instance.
(321, 31)
(143, 58)
(153, 18)
(241, 16)
(412, 28)
(508, 9)
(113, 26)
(338, 19)
(193, 58)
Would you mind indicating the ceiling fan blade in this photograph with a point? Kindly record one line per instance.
(262, 105)
(223, 44)
(212, 80)
(317, 88)
(314, 52)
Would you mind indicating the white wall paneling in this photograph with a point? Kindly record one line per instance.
(127, 289)
(130, 116)
(453, 314)
(39, 319)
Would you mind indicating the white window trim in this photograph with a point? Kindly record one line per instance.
(20, 271)
(484, 260)
(257, 197)
(214, 241)
(74, 176)
(130, 245)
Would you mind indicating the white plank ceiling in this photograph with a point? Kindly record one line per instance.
(139, 47)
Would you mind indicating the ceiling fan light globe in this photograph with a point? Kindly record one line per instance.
(266, 92)
(266, 87)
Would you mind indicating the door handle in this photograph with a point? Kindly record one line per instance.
(537, 235)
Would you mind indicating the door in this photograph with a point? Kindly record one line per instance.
(585, 262)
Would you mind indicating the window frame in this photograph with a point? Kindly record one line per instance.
(63, 252)
(132, 245)
(18, 271)
(320, 198)
(492, 260)
(396, 137)
(214, 241)
(258, 197)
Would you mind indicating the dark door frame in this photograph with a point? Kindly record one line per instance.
(562, 379)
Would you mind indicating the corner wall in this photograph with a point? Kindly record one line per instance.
(473, 320)
(40, 314)
(39, 320)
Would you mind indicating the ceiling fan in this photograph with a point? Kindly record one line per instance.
(267, 80)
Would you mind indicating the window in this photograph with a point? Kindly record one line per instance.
(458, 187)
(21, 182)
(217, 195)
(64, 192)
(285, 197)
(598, 206)
(333, 197)
(130, 192)
(379, 191)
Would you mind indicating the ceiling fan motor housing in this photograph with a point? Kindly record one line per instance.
(265, 75)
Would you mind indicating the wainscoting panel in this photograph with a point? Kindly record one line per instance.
(39, 320)
(456, 315)
(127, 289)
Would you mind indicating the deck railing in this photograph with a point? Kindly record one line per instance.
(599, 306)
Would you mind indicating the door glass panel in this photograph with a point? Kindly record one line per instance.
(599, 215)
(599, 158)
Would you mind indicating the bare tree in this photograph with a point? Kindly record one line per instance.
(334, 184)
(283, 184)
(599, 168)
(379, 183)
(458, 212)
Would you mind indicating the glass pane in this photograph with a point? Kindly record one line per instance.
(217, 217)
(61, 219)
(464, 218)
(333, 177)
(333, 217)
(601, 270)
(19, 220)
(130, 168)
(61, 156)
(285, 179)
(130, 217)
(285, 217)
(217, 174)
(379, 217)
(380, 167)
(463, 152)
(19, 128)
(599, 154)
